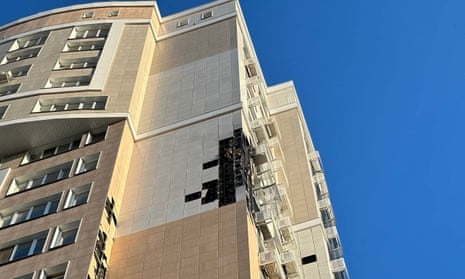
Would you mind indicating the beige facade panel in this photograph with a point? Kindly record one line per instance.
(78, 16)
(301, 191)
(213, 244)
(191, 74)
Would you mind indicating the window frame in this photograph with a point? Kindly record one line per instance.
(71, 194)
(58, 238)
(81, 167)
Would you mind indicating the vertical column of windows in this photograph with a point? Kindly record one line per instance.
(88, 40)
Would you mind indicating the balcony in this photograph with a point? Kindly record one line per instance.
(327, 217)
(263, 217)
(262, 176)
(262, 154)
(267, 195)
(5, 77)
(270, 265)
(276, 149)
(284, 206)
(254, 101)
(336, 253)
(285, 231)
(290, 265)
(323, 200)
(331, 232)
(320, 186)
(315, 162)
(338, 265)
(278, 168)
(264, 128)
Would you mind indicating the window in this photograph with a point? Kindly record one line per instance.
(65, 104)
(51, 150)
(30, 41)
(328, 217)
(26, 276)
(22, 248)
(54, 272)
(84, 46)
(7, 90)
(20, 55)
(96, 136)
(309, 259)
(5, 77)
(210, 164)
(72, 81)
(29, 211)
(341, 275)
(206, 15)
(87, 163)
(88, 15)
(76, 63)
(77, 196)
(251, 70)
(114, 13)
(193, 196)
(110, 211)
(65, 234)
(3, 111)
(182, 22)
(20, 71)
(90, 31)
(335, 249)
(39, 178)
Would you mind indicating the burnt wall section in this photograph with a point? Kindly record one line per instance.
(231, 173)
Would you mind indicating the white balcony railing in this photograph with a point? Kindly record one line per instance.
(338, 265)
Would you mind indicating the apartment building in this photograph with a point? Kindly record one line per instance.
(139, 146)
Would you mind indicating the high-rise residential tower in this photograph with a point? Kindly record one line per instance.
(139, 146)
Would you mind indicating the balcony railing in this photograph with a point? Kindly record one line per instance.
(338, 265)
(315, 162)
(329, 223)
(271, 265)
(263, 216)
(323, 200)
(290, 265)
(267, 195)
(336, 253)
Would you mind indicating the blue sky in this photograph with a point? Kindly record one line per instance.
(382, 84)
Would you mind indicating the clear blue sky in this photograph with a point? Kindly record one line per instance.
(382, 84)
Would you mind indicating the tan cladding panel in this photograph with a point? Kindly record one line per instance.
(127, 74)
(77, 16)
(301, 193)
(195, 45)
(192, 74)
(213, 244)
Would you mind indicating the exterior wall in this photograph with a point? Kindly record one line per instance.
(72, 16)
(191, 74)
(165, 168)
(212, 244)
(301, 193)
(79, 253)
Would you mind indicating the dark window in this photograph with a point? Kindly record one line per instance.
(193, 196)
(212, 191)
(210, 184)
(210, 164)
(309, 259)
